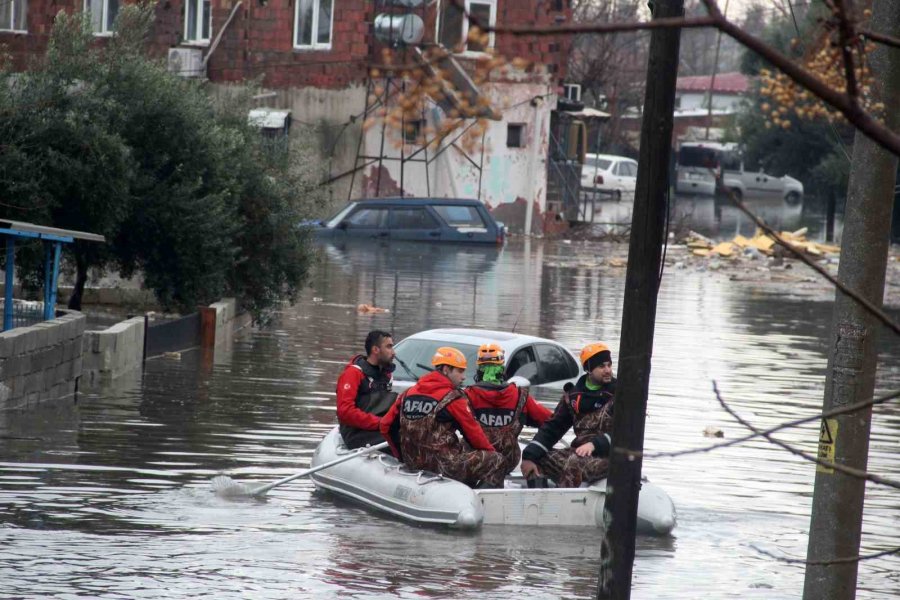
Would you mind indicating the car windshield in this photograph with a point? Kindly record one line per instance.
(694, 156)
(334, 219)
(416, 355)
(456, 215)
(601, 163)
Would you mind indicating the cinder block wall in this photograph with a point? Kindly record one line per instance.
(41, 362)
(113, 351)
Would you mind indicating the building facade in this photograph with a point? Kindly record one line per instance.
(315, 61)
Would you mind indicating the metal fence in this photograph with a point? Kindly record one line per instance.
(25, 313)
(172, 335)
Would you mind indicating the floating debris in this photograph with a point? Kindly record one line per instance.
(713, 432)
(368, 309)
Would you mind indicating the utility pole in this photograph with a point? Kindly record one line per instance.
(639, 311)
(836, 522)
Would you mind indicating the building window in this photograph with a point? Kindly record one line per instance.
(103, 14)
(12, 15)
(454, 26)
(197, 21)
(412, 131)
(515, 135)
(312, 24)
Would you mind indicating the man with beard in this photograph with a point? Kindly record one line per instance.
(587, 407)
(364, 391)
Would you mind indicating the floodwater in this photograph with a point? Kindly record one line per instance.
(109, 497)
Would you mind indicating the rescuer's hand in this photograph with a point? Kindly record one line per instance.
(585, 449)
(530, 469)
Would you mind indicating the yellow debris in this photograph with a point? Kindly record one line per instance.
(723, 249)
(701, 252)
(741, 241)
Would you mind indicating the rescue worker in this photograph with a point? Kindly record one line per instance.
(364, 391)
(422, 424)
(502, 408)
(588, 408)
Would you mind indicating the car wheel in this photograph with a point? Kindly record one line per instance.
(738, 194)
(792, 199)
(618, 195)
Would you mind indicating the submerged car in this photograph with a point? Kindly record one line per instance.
(542, 362)
(610, 174)
(413, 219)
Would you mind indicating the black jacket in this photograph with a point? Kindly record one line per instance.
(576, 402)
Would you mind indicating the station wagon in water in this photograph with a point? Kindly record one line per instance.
(413, 219)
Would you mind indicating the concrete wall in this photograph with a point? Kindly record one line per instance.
(228, 320)
(41, 362)
(114, 351)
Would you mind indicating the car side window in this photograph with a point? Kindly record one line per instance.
(412, 218)
(460, 215)
(523, 364)
(620, 169)
(368, 218)
(631, 169)
(555, 364)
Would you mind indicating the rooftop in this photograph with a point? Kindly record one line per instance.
(726, 83)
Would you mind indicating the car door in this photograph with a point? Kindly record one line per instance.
(413, 223)
(629, 176)
(366, 222)
(555, 364)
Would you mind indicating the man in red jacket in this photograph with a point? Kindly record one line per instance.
(364, 391)
(502, 408)
(421, 427)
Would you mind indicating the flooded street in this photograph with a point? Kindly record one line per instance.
(110, 497)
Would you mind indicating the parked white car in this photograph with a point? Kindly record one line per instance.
(610, 174)
(762, 185)
(543, 362)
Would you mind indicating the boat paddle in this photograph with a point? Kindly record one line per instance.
(225, 487)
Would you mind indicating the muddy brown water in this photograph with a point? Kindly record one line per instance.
(109, 497)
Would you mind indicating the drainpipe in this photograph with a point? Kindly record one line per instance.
(537, 137)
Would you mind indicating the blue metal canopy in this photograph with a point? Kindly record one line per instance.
(53, 239)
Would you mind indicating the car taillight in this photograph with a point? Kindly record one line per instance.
(598, 179)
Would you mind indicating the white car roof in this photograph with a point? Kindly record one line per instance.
(476, 337)
(610, 157)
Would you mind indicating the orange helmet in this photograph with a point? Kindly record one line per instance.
(592, 350)
(490, 354)
(446, 355)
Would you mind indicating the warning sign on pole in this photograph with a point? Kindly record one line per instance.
(827, 441)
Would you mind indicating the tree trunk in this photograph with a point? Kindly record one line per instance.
(836, 521)
(81, 268)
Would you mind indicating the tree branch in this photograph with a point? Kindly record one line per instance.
(851, 471)
(880, 38)
(846, 37)
(871, 308)
(850, 408)
(840, 101)
(832, 561)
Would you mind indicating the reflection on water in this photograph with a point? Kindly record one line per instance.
(110, 495)
(718, 218)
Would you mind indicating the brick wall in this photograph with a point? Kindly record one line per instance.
(41, 362)
(259, 40)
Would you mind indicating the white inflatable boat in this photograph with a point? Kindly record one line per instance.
(381, 482)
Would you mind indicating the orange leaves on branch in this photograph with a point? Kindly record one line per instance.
(782, 98)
